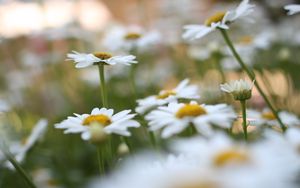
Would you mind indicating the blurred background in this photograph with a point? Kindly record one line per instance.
(36, 81)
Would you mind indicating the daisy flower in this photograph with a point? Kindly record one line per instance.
(292, 9)
(268, 118)
(19, 149)
(103, 118)
(83, 60)
(240, 89)
(175, 117)
(219, 20)
(182, 91)
(130, 38)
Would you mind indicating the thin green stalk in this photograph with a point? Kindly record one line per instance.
(18, 167)
(102, 85)
(151, 134)
(252, 77)
(243, 105)
(109, 149)
(132, 73)
(152, 139)
(100, 161)
(132, 81)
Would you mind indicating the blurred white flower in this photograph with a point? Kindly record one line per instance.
(250, 165)
(83, 60)
(176, 117)
(151, 172)
(215, 162)
(293, 136)
(182, 91)
(205, 51)
(239, 89)
(247, 46)
(19, 149)
(292, 9)
(268, 118)
(219, 20)
(117, 123)
(131, 38)
(43, 177)
(4, 106)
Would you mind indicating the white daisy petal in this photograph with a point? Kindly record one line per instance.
(292, 9)
(220, 20)
(182, 91)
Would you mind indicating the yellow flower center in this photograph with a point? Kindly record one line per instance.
(132, 36)
(198, 185)
(52, 182)
(268, 116)
(165, 94)
(190, 110)
(217, 17)
(230, 156)
(24, 141)
(246, 40)
(102, 119)
(102, 55)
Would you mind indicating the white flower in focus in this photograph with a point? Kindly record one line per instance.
(240, 89)
(132, 38)
(243, 10)
(104, 118)
(175, 117)
(219, 20)
(292, 9)
(182, 91)
(20, 148)
(268, 118)
(83, 60)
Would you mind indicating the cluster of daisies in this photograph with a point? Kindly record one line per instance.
(213, 157)
(171, 111)
(165, 112)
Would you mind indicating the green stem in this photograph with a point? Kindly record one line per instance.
(243, 105)
(100, 161)
(102, 85)
(132, 81)
(252, 77)
(152, 139)
(18, 167)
